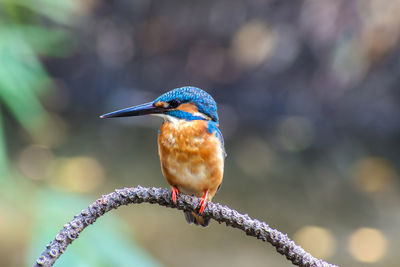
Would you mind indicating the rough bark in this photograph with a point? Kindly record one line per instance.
(221, 214)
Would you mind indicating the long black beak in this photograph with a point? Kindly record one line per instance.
(144, 109)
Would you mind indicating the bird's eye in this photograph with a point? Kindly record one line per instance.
(174, 103)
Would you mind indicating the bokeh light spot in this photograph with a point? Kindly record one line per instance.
(255, 157)
(367, 245)
(114, 46)
(253, 43)
(319, 241)
(373, 174)
(34, 161)
(295, 133)
(381, 27)
(52, 132)
(77, 174)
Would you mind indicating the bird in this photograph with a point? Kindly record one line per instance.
(190, 144)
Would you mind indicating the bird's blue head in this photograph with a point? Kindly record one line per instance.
(186, 100)
(189, 103)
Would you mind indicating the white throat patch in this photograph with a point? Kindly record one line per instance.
(166, 117)
(177, 120)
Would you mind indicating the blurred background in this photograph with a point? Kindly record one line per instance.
(309, 103)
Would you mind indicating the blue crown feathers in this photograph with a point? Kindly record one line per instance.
(203, 101)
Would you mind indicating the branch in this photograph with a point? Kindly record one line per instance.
(162, 197)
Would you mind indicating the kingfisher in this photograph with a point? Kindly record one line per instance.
(190, 145)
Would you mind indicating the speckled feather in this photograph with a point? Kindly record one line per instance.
(191, 147)
(192, 159)
(204, 102)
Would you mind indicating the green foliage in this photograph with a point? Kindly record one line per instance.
(113, 245)
(30, 30)
(24, 37)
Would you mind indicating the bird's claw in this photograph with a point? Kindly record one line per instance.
(174, 194)
(203, 202)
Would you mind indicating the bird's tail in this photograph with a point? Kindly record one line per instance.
(192, 217)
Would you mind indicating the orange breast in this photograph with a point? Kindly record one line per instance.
(191, 158)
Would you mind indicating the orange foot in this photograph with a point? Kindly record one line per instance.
(174, 193)
(203, 202)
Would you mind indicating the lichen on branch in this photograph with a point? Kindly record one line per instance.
(162, 197)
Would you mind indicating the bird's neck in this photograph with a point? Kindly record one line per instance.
(176, 116)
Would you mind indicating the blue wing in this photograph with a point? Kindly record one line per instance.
(213, 128)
